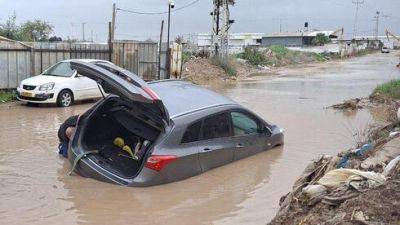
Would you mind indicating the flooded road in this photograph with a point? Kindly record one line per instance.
(35, 188)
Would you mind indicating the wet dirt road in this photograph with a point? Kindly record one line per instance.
(35, 189)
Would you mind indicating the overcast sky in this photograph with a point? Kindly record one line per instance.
(261, 16)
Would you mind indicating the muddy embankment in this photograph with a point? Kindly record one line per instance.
(357, 186)
(202, 69)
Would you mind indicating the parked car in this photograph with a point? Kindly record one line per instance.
(59, 84)
(385, 50)
(181, 129)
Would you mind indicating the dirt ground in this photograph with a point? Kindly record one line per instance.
(377, 205)
(202, 72)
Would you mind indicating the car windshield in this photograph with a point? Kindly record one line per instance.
(62, 69)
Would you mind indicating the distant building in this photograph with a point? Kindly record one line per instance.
(294, 39)
(237, 41)
(390, 43)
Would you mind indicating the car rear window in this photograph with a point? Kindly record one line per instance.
(216, 127)
(192, 133)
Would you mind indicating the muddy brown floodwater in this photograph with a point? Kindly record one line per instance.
(35, 188)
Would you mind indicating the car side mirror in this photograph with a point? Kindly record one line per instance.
(267, 131)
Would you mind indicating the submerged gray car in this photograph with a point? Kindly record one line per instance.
(179, 129)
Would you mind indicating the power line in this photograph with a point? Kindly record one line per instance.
(158, 13)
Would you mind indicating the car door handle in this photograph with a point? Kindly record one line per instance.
(239, 146)
(207, 149)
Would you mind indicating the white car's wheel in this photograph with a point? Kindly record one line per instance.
(65, 98)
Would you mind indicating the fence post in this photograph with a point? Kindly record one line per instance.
(32, 58)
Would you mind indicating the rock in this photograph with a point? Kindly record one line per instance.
(398, 114)
(359, 217)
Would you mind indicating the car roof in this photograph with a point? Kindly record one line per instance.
(86, 60)
(180, 97)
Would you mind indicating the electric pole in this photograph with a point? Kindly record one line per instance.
(114, 14)
(280, 25)
(83, 32)
(357, 3)
(377, 24)
(221, 26)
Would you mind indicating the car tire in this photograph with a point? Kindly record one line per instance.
(65, 98)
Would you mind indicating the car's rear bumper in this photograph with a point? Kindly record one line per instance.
(88, 167)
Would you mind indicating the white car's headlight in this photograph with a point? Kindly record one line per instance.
(47, 87)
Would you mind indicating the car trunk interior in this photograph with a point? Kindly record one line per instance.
(116, 119)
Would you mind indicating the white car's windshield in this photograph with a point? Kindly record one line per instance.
(62, 69)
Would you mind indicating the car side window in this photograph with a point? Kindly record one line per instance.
(243, 124)
(216, 126)
(192, 133)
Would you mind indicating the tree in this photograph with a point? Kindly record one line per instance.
(55, 39)
(320, 40)
(10, 29)
(36, 30)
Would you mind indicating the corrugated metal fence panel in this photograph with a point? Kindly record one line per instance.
(137, 57)
(18, 62)
(148, 61)
(14, 64)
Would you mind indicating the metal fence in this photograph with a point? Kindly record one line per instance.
(138, 57)
(21, 60)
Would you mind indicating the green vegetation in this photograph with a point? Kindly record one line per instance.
(186, 56)
(320, 57)
(253, 56)
(278, 55)
(279, 50)
(7, 96)
(227, 66)
(320, 40)
(35, 30)
(390, 89)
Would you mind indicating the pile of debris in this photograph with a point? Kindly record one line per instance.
(202, 71)
(359, 185)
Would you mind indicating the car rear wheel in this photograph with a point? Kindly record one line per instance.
(65, 98)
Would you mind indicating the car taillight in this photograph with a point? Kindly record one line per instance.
(158, 162)
(151, 93)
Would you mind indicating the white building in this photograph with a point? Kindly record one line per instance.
(237, 41)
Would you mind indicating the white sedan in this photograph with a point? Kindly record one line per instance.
(59, 84)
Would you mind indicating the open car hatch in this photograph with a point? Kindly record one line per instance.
(121, 82)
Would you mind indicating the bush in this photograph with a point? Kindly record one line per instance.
(320, 40)
(225, 65)
(186, 56)
(279, 50)
(389, 89)
(7, 96)
(253, 56)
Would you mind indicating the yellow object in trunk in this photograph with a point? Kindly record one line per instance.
(118, 141)
(129, 150)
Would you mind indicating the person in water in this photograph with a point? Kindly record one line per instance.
(65, 133)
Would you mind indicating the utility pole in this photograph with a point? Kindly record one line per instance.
(215, 30)
(83, 32)
(377, 24)
(114, 14)
(160, 50)
(357, 3)
(91, 36)
(280, 25)
(171, 5)
(221, 26)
